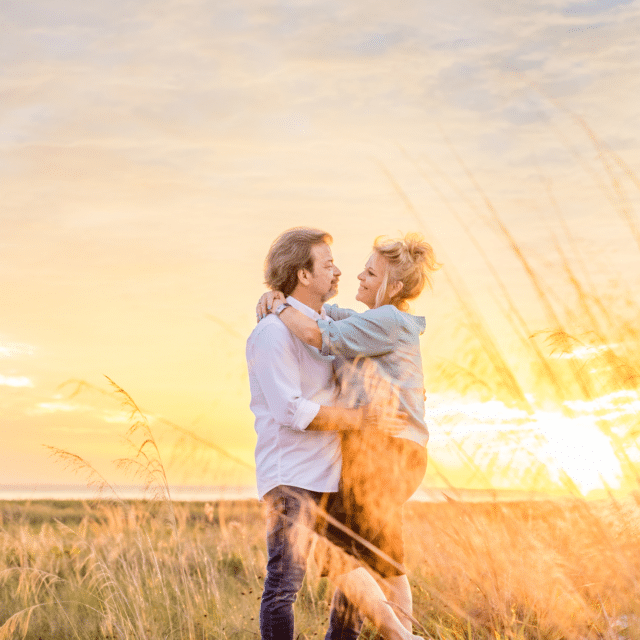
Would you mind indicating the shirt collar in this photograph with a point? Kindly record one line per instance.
(308, 311)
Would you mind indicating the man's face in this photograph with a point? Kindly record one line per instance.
(325, 274)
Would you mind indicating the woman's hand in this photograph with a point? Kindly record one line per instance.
(376, 416)
(268, 302)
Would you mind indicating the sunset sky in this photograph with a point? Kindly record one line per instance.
(150, 153)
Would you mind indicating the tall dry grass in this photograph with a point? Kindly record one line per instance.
(548, 569)
(122, 571)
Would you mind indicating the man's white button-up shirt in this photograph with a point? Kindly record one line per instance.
(289, 381)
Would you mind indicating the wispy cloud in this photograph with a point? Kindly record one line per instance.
(14, 349)
(15, 381)
(109, 416)
(56, 407)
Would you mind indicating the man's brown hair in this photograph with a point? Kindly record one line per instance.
(290, 252)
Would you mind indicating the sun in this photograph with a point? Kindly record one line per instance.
(508, 448)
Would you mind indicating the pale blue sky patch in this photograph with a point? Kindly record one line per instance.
(376, 44)
(231, 18)
(288, 19)
(458, 43)
(466, 86)
(41, 13)
(24, 124)
(62, 44)
(525, 106)
(593, 7)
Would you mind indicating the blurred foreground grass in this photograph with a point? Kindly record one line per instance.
(538, 569)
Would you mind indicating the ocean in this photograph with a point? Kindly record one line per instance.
(179, 493)
(194, 493)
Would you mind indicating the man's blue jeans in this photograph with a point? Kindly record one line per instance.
(289, 514)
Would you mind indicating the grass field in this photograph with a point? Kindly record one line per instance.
(539, 569)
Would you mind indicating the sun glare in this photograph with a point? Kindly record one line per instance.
(508, 444)
(578, 448)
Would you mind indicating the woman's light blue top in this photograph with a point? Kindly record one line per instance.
(382, 348)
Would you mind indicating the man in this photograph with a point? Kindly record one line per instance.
(298, 448)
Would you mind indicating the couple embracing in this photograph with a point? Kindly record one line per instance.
(338, 399)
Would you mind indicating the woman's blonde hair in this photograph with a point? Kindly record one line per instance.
(411, 261)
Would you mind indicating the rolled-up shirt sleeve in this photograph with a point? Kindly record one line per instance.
(372, 333)
(277, 371)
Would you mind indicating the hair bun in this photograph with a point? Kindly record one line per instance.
(411, 261)
(418, 249)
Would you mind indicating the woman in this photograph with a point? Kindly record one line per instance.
(378, 362)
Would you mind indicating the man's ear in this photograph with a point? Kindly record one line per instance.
(304, 276)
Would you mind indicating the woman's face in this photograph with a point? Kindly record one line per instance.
(371, 280)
